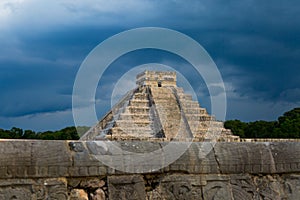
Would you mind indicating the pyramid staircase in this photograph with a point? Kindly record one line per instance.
(158, 110)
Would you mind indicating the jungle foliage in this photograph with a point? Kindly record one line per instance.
(287, 126)
(68, 133)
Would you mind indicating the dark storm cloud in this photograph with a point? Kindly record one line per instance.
(28, 89)
(255, 44)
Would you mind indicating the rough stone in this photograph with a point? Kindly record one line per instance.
(207, 170)
(98, 195)
(74, 182)
(78, 194)
(181, 187)
(13, 192)
(56, 188)
(92, 183)
(126, 187)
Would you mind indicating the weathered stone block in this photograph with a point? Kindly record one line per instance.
(21, 192)
(78, 194)
(180, 187)
(126, 187)
(98, 195)
(92, 183)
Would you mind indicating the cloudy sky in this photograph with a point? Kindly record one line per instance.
(255, 44)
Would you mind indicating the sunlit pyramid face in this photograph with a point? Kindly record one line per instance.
(157, 109)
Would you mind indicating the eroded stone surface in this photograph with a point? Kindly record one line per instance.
(98, 195)
(126, 187)
(78, 194)
(157, 186)
(205, 171)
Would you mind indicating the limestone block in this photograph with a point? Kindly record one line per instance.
(242, 187)
(33, 189)
(92, 183)
(82, 157)
(98, 195)
(217, 190)
(126, 187)
(12, 150)
(50, 153)
(34, 158)
(154, 195)
(21, 192)
(78, 194)
(292, 187)
(181, 187)
(244, 157)
(56, 188)
(286, 156)
(74, 182)
(199, 158)
(268, 187)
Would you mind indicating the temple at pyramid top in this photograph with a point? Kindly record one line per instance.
(156, 79)
(157, 109)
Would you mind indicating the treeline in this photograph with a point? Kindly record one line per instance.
(68, 133)
(287, 126)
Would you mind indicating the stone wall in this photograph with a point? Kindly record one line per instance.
(72, 170)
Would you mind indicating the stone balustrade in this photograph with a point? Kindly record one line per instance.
(224, 170)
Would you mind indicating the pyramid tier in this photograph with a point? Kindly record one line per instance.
(158, 108)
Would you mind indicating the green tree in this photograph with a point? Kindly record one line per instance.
(259, 129)
(5, 134)
(29, 134)
(16, 133)
(289, 124)
(68, 133)
(237, 127)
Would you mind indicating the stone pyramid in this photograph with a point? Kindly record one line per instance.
(158, 110)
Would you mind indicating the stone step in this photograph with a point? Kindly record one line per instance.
(137, 110)
(162, 94)
(125, 136)
(130, 116)
(190, 104)
(179, 90)
(171, 120)
(164, 97)
(133, 123)
(216, 130)
(188, 110)
(132, 131)
(140, 96)
(167, 111)
(166, 103)
(161, 91)
(140, 100)
(139, 104)
(199, 117)
(195, 123)
(201, 124)
(185, 97)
